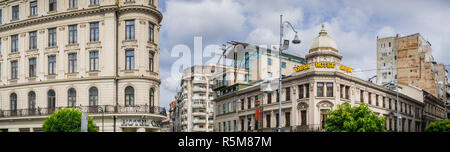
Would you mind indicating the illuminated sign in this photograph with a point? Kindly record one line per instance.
(324, 65)
(302, 67)
(140, 123)
(345, 68)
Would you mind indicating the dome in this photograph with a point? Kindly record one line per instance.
(323, 40)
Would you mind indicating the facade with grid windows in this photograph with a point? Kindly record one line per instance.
(98, 56)
(318, 87)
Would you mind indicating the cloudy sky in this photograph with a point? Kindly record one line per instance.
(354, 24)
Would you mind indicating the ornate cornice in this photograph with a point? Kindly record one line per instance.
(77, 13)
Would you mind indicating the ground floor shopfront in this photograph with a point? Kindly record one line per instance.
(123, 119)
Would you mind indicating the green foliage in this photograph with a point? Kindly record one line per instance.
(439, 126)
(354, 119)
(67, 120)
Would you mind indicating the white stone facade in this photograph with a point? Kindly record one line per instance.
(112, 76)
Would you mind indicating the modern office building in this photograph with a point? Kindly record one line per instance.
(99, 56)
(315, 88)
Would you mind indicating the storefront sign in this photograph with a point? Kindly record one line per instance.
(140, 123)
(345, 68)
(302, 67)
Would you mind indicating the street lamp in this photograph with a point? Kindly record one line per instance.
(282, 47)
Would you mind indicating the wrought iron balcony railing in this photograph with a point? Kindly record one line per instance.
(105, 109)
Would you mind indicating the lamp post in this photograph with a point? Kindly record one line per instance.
(282, 47)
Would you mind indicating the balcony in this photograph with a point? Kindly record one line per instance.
(106, 109)
(196, 81)
(198, 89)
(199, 121)
(199, 105)
(199, 98)
(199, 129)
(196, 113)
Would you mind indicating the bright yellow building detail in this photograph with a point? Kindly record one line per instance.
(302, 67)
(324, 65)
(345, 68)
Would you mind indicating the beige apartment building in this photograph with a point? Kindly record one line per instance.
(99, 56)
(409, 60)
(312, 90)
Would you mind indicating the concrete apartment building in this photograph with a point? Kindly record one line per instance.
(251, 64)
(99, 56)
(409, 60)
(315, 88)
(195, 113)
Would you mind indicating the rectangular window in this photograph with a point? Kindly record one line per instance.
(234, 106)
(288, 94)
(14, 43)
(73, 34)
(150, 61)
(33, 8)
(278, 96)
(93, 61)
(234, 125)
(219, 127)
(14, 69)
(376, 100)
(247, 61)
(303, 116)
(342, 91)
(347, 92)
(269, 61)
(52, 5)
(94, 32)
(129, 30)
(151, 32)
(277, 122)
(224, 108)
(94, 2)
(267, 121)
(52, 37)
(15, 12)
(361, 96)
(129, 64)
(249, 103)
(390, 104)
(269, 98)
(384, 102)
(370, 98)
(1, 16)
(218, 109)
(51, 65)
(320, 89)
(242, 124)
(150, 2)
(72, 62)
(33, 40)
(329, 89)
(269, 74)
(242, 104)
(306, 90)
(32, 67)
(73, 3)
(300, 92)
(283, 65)
(287, 118)
(323, 117)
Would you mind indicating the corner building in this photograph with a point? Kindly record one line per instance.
(312, 91)
(99, 56)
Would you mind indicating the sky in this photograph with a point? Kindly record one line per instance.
(353, 24)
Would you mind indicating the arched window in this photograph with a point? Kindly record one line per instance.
(51, 101)
(129, 96)
(93, 97)
(72, 97)
(152, 97)
(31, 100)
(13, 103)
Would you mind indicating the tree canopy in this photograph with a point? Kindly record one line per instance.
(439, 126)
(354, 119)
(67, 120)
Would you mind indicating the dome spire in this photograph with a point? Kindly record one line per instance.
(323, 32)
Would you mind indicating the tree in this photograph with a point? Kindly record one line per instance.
(354, 119)
(439, 126)
(67, 120)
